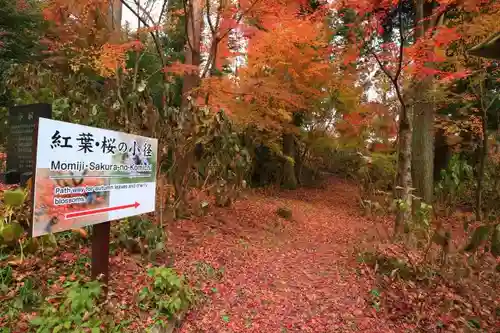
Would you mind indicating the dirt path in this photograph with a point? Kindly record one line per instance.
(277, 275)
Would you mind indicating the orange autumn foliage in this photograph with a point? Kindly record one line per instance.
(428, 55)
(82, 35)
(226, 28)
(113, 56)
(287, 70)
(477, 26)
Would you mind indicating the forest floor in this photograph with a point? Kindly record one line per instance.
(281, 275)
(255, 271)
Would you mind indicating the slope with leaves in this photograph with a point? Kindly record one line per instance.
(264, 273)
(271, 274)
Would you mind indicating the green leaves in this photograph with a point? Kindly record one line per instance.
(10, 233)
(169, 293)
(14, 198)
(10, 230)
(5, 279)
(37, 321)
(78, 311)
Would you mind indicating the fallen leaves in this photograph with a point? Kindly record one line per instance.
(303, 277)
(300, 279)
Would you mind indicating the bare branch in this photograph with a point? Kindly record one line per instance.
(153, 35)
(164, 6)
(217, 39)
(381, 65)
(145, 12)
(401, 42)
(395, 79)
(143, 21)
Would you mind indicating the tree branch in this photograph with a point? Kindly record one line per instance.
(217, 39)
(240, 18)
(401, 42)
(491, 103)
(143, 21)
(395, 79)
(154, 36)
(381, 65)
(163, 8)
(145, 12)
(186, 27)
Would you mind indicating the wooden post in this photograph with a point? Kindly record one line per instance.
(100, 253)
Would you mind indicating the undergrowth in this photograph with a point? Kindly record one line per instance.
(419, 289)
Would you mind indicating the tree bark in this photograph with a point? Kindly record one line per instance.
(480, 176)
(193, 25)
(403, 175)
(289, 178)
(404, 189)
(483, 157)
(423, 118)
(115, 15)
(423, 144)
(442, 154)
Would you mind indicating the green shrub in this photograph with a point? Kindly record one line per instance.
(456, 184)
(78, 312)
(5, 279)
(12, 212)
(168, 293)
(29, 296)
(380, 173)
(345, 163)
(491, 190)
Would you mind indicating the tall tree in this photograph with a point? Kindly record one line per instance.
(423, 111)
(382, 31)
(431, 19)
(279, 80)
(477, 94)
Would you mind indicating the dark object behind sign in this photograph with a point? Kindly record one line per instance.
(12, 177)
(20, 141)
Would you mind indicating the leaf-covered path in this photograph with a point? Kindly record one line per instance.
(269, 274)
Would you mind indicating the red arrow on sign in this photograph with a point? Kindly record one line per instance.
(100, 210)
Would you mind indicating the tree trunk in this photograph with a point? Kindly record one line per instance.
(193, 48)
(442, 154)
(289, 178)
(115, 15)
(423, 145)
(423, 117)
(480, 177)
(404, 195)
(482, 159)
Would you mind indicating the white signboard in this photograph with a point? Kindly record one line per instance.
(86, 175)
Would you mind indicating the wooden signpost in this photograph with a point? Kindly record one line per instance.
(86, 176)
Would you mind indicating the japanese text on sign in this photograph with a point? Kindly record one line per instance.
(87, 175)
(87, 143)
